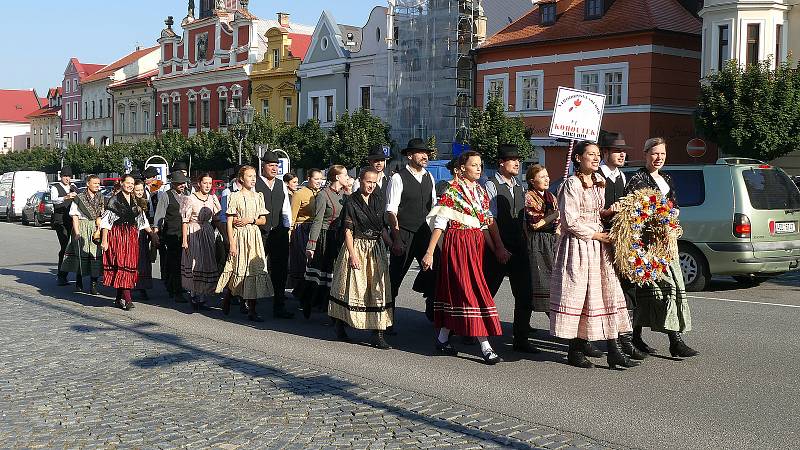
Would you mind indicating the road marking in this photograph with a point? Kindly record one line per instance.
(744, 301)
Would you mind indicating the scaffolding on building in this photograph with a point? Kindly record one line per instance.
(431, 68)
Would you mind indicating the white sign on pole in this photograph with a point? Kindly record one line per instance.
(577, 115)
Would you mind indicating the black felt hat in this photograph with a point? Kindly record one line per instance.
(178, 177)
(611, 139)
(507, 151)
(376, 153)
(136, 174)
(270, 157)
(150, 172)
(179, 165)
(416, 145)
(66, 171)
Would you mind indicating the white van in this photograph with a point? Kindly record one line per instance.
(16, 188)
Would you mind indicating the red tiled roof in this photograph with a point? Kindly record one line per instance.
(16, 104)
(108, 70)
(300, 44)
(142, 78)
(624, 16)
(42, 112)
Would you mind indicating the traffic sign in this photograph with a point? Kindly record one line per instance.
(696, 148)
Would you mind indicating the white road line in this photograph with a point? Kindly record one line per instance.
(744, 301)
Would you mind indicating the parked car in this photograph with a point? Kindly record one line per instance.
(739, 218)
(38, 210)
(16, 188)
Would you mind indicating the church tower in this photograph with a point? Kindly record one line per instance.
(207, 7)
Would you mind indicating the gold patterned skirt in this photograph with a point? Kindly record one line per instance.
(246, 274)
(362, 297)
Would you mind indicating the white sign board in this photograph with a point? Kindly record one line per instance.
(284, 167)
(577, 115)
(162, 171)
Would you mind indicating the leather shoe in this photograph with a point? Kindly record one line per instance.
(525, 347)
(491, 358)
(445, 348)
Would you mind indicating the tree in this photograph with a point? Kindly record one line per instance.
(491, 127)
(306, 144)
(353, 135)
(751, 111)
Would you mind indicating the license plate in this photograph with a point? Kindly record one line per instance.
(785, 227)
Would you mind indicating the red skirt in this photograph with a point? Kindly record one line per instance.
(463, 301)
(121, 260)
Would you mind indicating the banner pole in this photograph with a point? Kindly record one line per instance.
(569, 158)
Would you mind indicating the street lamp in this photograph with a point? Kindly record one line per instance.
(239, 123)
(61, 143)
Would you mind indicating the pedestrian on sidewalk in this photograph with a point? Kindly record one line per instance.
(507, 204)
(411, 196)
(586, 300)
(663, 306)
(245, 274)
(199, 273)
(145, 280)
(324, 241)
(464, 304)
(169, 223)
(302, 219)
(121, 223)
(62, 194)
(83, 255)
(361, 290)
(275, 232)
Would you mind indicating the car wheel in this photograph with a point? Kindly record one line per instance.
(750, 280)
(694, 267)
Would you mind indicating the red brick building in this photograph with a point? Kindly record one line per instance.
(208, 67)
(643, 54)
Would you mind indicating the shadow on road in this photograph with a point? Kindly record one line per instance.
(306, 386)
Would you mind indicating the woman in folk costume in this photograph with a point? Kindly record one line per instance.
(463, 302)
(663, 307)
(121, 223)
(245, 273)
(361, 294)
(145, 280)
(541, 228)
(302, 219)
(199, 273)
(324, 241)
(586, 300)
(83, 255)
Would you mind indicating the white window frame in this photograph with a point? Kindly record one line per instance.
(74, 85)
(276, 58)
(742, 38)
(265, 107)
(322, 112)
(539, 75)
(146, 117)
(287, 109)
(361, 96)
(487, 79)
(714, 44)
(74, 110)
(75, 137)
(602, 69)
(121, 119)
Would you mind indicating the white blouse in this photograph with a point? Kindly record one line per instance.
(109, 217)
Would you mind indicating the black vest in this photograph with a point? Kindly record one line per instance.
(61, 212)
(173, 221)
(383, 189)
(614, 190)
(273, 200)
(509, 214)
(415, 201)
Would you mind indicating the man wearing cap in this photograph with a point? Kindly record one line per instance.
(179, 166)
(275, 232)
(507, 202)
(377, 160)
(613, 149)
(169, 224)
(411, 196)
(62, 194)
(150, 175)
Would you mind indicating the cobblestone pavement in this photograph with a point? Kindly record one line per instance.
(75, 376)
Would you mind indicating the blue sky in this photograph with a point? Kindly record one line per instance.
(40, 36)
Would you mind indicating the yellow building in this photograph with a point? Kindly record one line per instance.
(274, 79)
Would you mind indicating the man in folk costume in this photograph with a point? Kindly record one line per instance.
(613, 149)
(83, 256)
(62, 194)
(377, 161)
(507, 203)
(275, 232)
(411, 196)
(150, 176)
(169, 226)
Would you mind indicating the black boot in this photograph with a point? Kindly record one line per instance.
(279, 310)
(628, 348)
(575, 356)
(524, 346)
(590, 350)
(379, 342)
(78, 284)
(340, 333)
(616, 357)
(226, 304)
(62, 279)
(639, 343)
(251, 312)
(94, 290)
(677, 348)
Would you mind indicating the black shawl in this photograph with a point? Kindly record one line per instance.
(127, 211)
(642, 180)
(365, 220)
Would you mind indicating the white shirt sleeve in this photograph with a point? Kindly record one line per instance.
(286, 210)
(107, 219)
(74, 211)
(433, 190)
(141, 221)
(161, 209)
(491, 191)
(57, 200)
(440, 222)
(394, 192)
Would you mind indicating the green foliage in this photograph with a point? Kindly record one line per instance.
(492, 127)
(752, 112)
(43, 159)
(353, 135)
(306, 145)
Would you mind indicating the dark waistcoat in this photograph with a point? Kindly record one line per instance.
(273, 200)
(415, 201)
(173, 221)
(509, 214)
(614, 190)
(61, 212)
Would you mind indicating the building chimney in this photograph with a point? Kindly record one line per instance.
(283, 19)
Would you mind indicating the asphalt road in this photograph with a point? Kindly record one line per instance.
(741, 392)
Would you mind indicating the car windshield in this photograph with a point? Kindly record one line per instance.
(771, 189)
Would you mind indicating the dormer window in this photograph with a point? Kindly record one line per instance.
(548, 13)
(594, 9)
